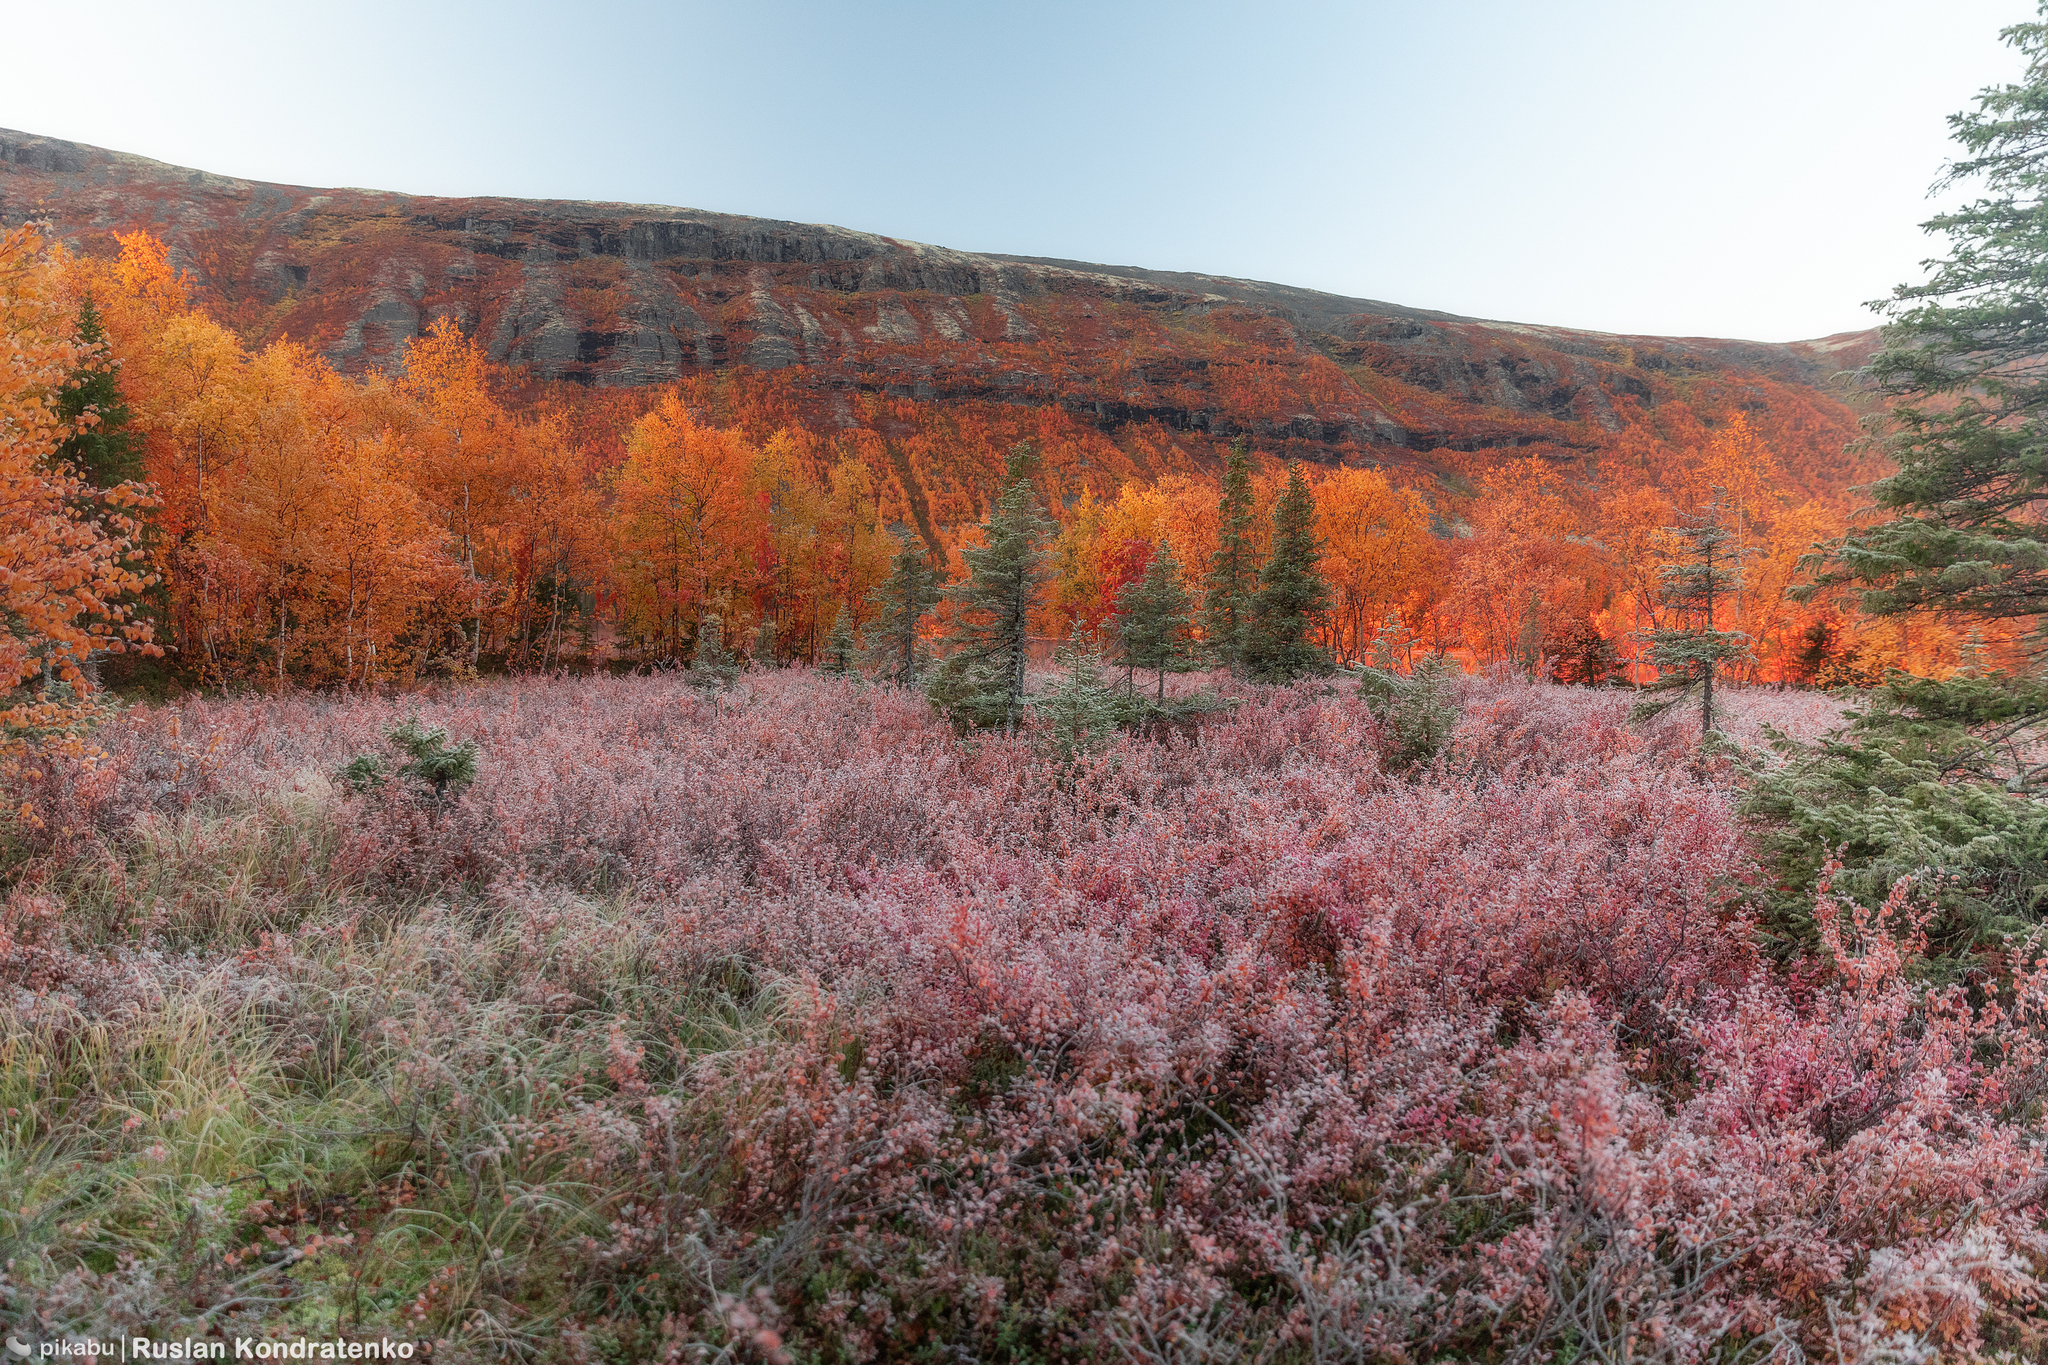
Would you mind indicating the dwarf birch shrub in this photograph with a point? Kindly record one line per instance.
(795, 1026)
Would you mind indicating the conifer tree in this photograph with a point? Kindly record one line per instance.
(711, 651)
(1081, 711)
(1938, 780)
(68, 576)
(1291, 595)
(1688, 656)
(764, 643)
(903, 600)
(1234, 568)
(1417, 711)
(839, 645)
(981, 681)
(103, 453)
(1968, 425)
(1153, 619)
(712, 667)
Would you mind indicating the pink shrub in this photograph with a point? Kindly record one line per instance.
(1804, 716)
(1188, 1043)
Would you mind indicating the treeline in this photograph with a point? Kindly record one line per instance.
(286, 524)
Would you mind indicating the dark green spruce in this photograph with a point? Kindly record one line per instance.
(901, 603)
(106, 452)
(1940, 781)
(1961, 362)
(840, 646)
(1292, 594)
(712, 667)
(1920, 784)
(1234, 567)
(980, 683)
(1153, 621)
(1417, 710)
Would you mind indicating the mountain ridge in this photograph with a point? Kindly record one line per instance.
(604, 295)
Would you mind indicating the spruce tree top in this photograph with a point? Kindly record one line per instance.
(981, 682)
(1292, 594)
(1234, 567)
(1962, 360)
(106, 453)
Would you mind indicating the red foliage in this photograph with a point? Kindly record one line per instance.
(1237, 1036)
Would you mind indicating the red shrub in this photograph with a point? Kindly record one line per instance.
(1102, 1048)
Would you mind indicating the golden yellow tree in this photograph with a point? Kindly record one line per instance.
(469, 472)
(1377, 549)
(335, 558)
(687, 518)
(67, 554)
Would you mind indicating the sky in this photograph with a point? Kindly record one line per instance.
(1746, 168)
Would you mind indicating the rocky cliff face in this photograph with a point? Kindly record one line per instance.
(620, 294)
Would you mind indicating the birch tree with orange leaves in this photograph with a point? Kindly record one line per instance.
(819, 549)
(67, 551)
(342, 560)
(385, 566)
(555, 540)
(470, 447)
(1377, 549)
(685, 519)
(185, 379)
(1519, 572)
(850, 549)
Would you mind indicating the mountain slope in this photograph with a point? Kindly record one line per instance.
(852, 330)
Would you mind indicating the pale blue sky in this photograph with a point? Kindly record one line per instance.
(1747, 168)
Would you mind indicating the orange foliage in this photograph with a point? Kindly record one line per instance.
(1378, 552)
(314, 528)
(66, 551)
(825, 547)
(687, 514)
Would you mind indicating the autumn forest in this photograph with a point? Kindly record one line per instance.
(441, 517)
(589, 783)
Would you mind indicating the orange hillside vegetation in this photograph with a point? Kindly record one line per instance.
(393, 434)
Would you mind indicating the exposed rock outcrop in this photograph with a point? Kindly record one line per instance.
(621, 294)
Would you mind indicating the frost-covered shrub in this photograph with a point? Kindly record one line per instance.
(795, 1027)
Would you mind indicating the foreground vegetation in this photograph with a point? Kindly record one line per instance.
(790, 1025)
(734, 1013)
